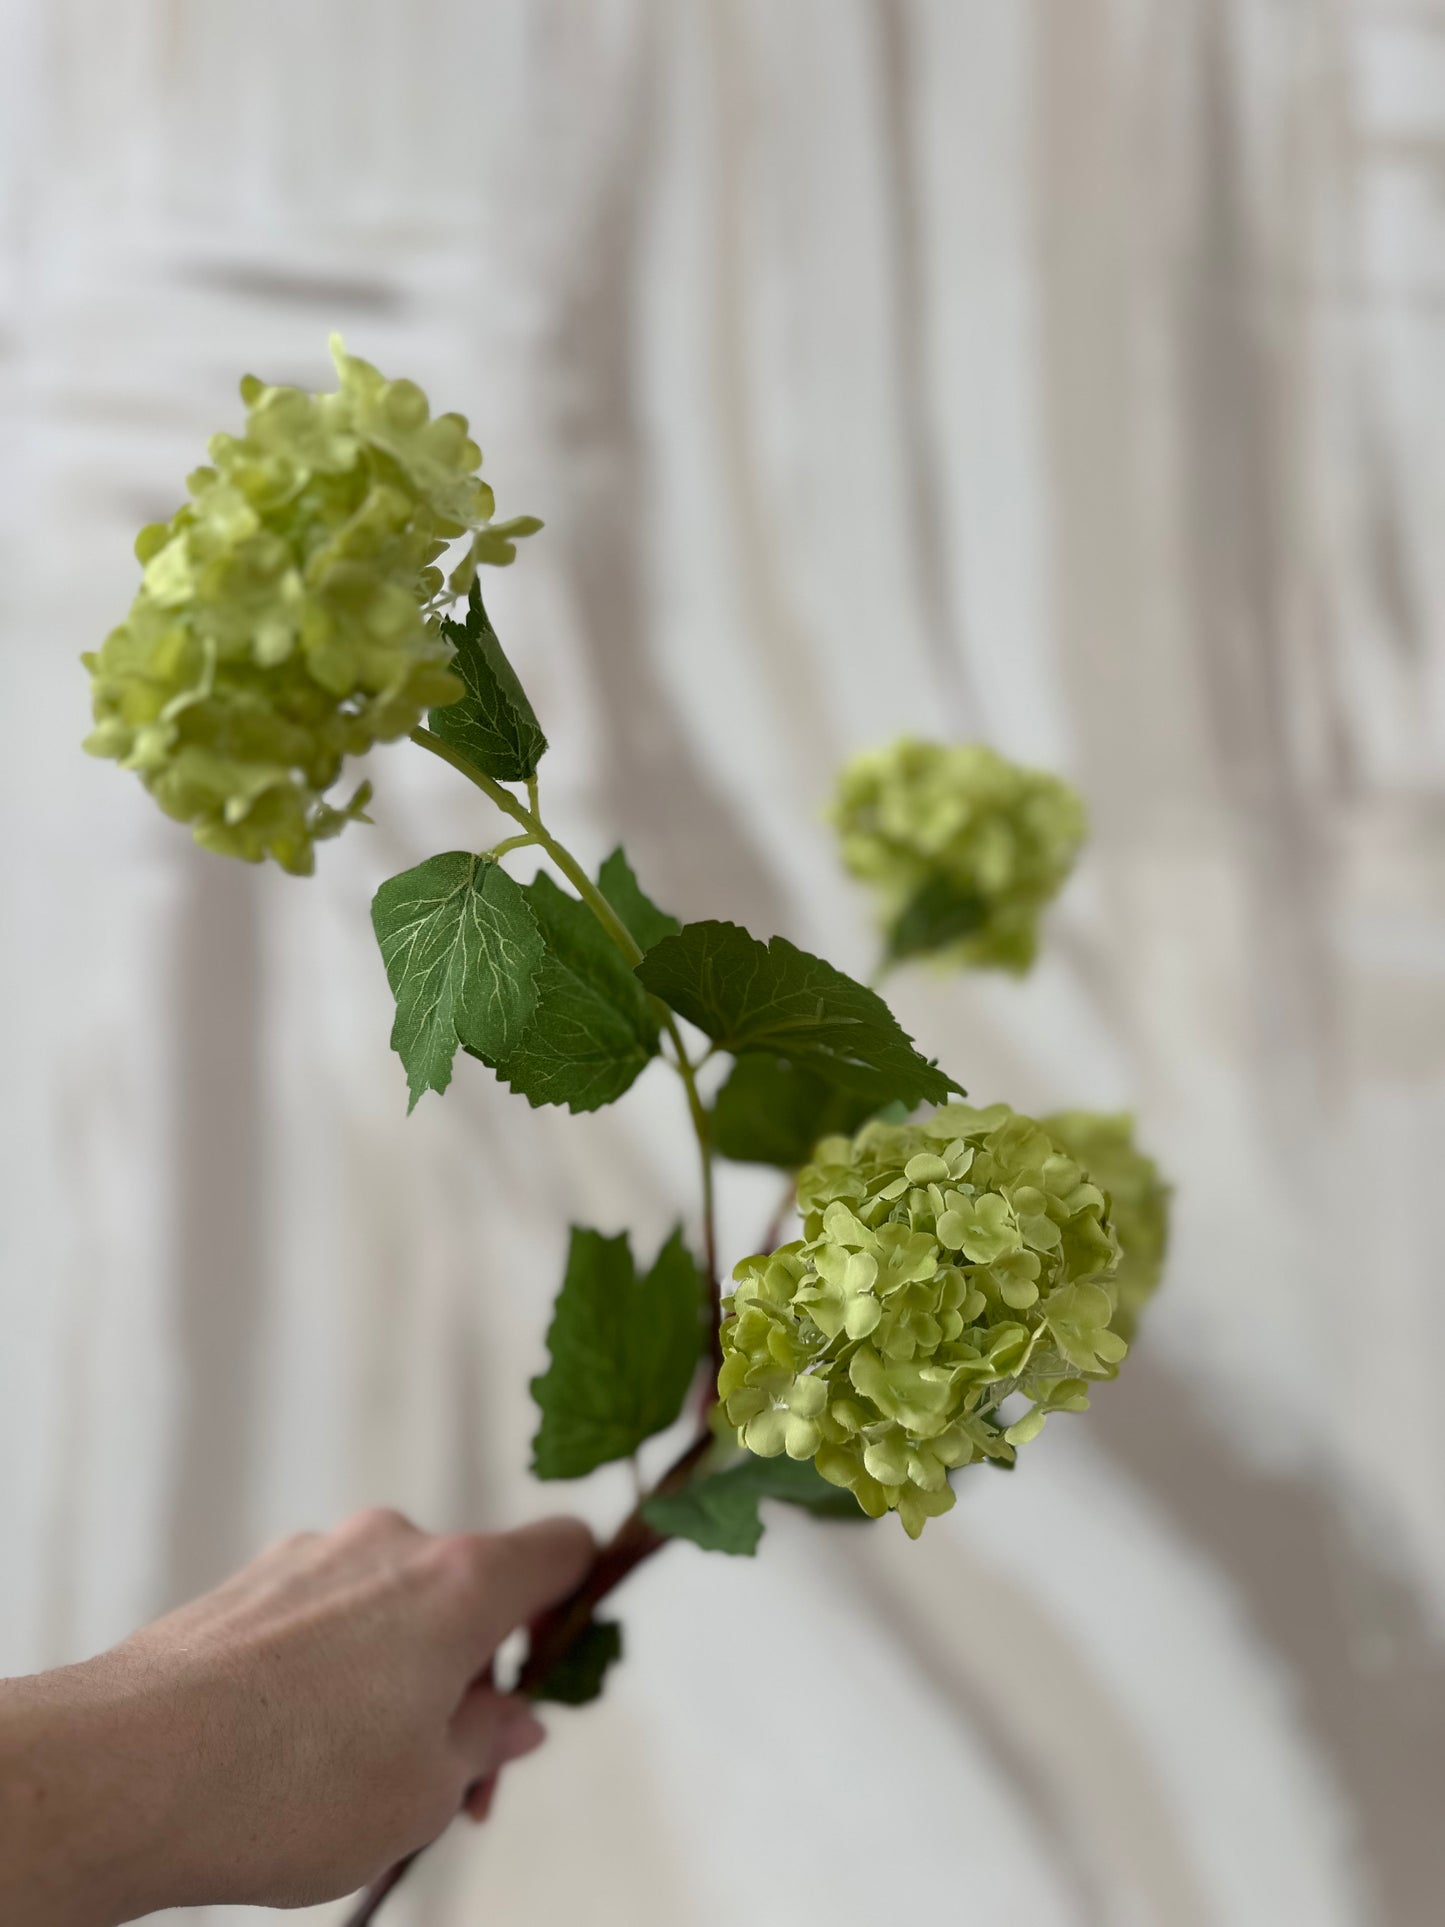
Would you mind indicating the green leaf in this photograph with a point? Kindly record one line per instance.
(940, 913)
(770, 1112)
(493, 725)
(720, 1513)
(772, 997)
(623, 1349)
(462, 952)
(593, 1030)
(578, 1676)
(648, 924)
(799, 1482)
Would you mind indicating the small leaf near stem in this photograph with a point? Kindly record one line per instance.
(492, 724)
(577, 1678)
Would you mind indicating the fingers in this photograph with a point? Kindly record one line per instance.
(488, 1730)
(375, 1527)
(512, 1576)
(536, 1565)
(468, 1590)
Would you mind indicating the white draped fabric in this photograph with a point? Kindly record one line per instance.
(1064, 373)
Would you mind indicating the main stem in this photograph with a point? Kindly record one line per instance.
(552, 1634)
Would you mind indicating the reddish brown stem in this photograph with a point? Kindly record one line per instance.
(372, 1901)
(773, 1236)
(552, 1634)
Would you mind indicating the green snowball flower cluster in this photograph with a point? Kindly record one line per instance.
(943, 1265)
(964, 847)
(1103, 1142)
(286, 619)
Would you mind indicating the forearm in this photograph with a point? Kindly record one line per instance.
(87, 1794)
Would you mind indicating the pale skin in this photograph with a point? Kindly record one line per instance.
(282, 1739)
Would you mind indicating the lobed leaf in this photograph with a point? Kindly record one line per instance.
(578, 1676)
(747, 995)
(771, 1112)
(623, 1353)
(462, 953)
(593, 1030)
(493, 725)
(720, 1513)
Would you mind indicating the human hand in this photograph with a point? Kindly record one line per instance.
(282, 1739)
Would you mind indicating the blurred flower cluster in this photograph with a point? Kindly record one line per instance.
(1138, 1201)
(286, 618)
(963, 847)
(943, 1266)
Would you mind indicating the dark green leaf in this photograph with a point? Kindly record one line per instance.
(772, 997)
(720, 1513)
(462, 954)
(799, 1482)
(624, 1350)
(770, 1112)
(578, 1675)
(940, 913)
(493, 725)
(648, 924)
(593, 1029)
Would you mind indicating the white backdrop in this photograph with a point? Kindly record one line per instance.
(1064, 373)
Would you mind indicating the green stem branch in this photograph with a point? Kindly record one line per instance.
(521, 841)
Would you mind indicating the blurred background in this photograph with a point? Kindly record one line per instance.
(1063, 373)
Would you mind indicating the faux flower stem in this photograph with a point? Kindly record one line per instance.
(551, 1636)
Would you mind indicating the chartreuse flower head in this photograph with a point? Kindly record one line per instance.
(1103, 1142)
(286, 618)
(943, 1266)
(963, 847)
